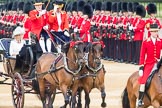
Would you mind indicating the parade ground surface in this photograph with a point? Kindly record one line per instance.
(115, 81)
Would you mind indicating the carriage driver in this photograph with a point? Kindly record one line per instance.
(39, 26)
(149, 56)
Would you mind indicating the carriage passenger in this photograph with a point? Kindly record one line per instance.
(149, 56)
(17, 42)
(84, 30)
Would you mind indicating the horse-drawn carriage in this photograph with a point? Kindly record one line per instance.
(44, 76)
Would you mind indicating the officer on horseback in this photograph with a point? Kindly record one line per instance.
(149, 56)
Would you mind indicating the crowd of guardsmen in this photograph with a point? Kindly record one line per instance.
(119, 24)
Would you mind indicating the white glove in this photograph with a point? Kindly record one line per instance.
(131, 27)
(42, 12)
(75, 30)
(55, 8)
(45, 27)
(66, 33)
(140, 73)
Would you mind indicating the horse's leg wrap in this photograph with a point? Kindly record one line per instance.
(103, 95)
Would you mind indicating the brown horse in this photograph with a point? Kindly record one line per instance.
(153, 95)
(91, 76)
(59, 71)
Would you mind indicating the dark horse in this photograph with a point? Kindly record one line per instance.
(59, 71)
(91, 76)
(153, 95)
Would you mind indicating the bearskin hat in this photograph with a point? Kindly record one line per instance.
(74, 6)
(151, 8)
(119, 6)
(9, 6)
(80, 5)
(98, 5)
(68, 7)
(130, 7)
(88, 10)
(21, 5)
(15, 6)
(108, 6)
(124, 7)
(114, 7)
(140, 10)
(135, 4)
(28, 7)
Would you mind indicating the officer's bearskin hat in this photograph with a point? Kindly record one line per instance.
(74, 6)
(114, 7)
(21, 5)
(119, 6)
(108, 6)
(151, 8)
(88, 10)
(9, 6)
(68, 7)
(80, 5)
(28, 7)
(140, 10)
(130, 7)
(98, 5)
(124, 7)
(135, 4)
(103, 6)
(15, 6)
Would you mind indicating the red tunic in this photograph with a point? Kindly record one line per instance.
(85, 31)
(139, 31)
(148, 56)
(54, 21)
(27, 26)
(37, 22)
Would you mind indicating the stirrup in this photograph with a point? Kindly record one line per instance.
(140, 103)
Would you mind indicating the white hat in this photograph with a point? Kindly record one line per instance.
(19, 30)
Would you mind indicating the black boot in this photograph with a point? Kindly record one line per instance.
(140, 99)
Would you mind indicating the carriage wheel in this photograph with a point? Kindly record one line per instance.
(17, 91)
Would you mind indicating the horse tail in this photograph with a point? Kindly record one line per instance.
(125, 100)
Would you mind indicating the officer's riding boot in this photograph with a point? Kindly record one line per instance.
(141, 95)
(42, 44)
(48, 44)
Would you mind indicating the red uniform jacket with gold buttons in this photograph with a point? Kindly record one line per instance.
(148, 56)
(85, 31)
(139, 31)
(37, 22)
(54, 21)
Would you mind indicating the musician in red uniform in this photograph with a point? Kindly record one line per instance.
(39, 26)
(84, 30)
(138, 26)
(60, 25)
(149, 56)
(152, 11)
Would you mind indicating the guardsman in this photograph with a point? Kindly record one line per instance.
(152, 11)
(80, 5)
(39, 26)
(149, 56)
(60, 25)
(85, 27)
(21, 14)
(138, 26)
(26, 21)
(130, 32)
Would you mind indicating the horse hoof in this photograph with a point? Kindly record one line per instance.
(103, 105)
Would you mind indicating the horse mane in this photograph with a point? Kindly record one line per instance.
(65, 47)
